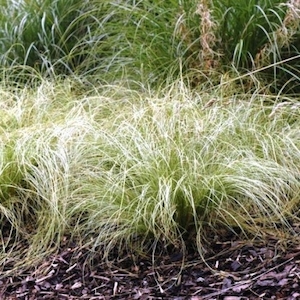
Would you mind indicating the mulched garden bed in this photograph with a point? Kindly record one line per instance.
(234, 270)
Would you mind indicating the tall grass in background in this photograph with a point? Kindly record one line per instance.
(244, 27)
(119, 167)
(260, 34)
(152, 41)
(49, 36)
(84, 37)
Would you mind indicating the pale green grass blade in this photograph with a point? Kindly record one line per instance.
(121, 168)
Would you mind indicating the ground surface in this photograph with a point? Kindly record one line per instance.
(236, 270)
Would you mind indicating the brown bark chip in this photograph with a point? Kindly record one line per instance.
(234, 270)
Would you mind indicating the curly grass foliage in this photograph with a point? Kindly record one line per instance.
(124, 168)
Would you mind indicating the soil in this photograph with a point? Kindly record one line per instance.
(234, 269)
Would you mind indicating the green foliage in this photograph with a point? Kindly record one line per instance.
(139, 40)
(244, 27)
(156, 41)
(150, 41)
(260, 34)
(10, 173)
(46, 35)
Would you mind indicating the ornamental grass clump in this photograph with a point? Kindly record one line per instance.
(127, 169)
(169, 169)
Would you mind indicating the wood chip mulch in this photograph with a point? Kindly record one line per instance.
(238, 270)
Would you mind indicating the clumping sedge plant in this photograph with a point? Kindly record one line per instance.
(123, 168)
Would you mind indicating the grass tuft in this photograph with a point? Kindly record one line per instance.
(117, 167)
